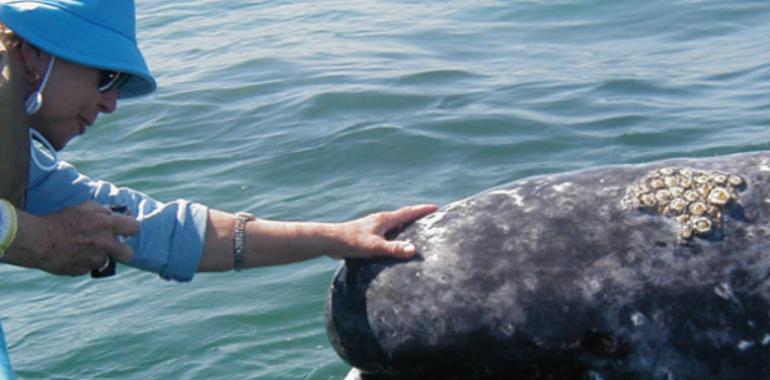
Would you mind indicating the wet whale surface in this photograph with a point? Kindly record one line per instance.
(655, 271)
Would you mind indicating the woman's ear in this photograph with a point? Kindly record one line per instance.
(34, 61)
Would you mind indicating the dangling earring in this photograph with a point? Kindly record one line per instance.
(35, 100)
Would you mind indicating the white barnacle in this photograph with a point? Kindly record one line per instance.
(701, 225)
(691, 195)
(719, 179)
(663, 196)
(735, 180)
(648, 200)
(667, 171)
(714, 212)
(676, 191)
(683, 219)
(702, 179)
(671, 180)
(641, 188)
(633, 203)
(685, 233)
(718, 196)
(703, 189)
(678, 205)
(697, 208)
(685, 172)
(685, 182)
(657, 183)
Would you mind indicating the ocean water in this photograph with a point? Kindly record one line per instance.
(328, 110)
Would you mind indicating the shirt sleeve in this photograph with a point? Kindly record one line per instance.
(171, 235)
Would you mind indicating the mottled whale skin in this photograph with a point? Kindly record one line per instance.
(555, 277)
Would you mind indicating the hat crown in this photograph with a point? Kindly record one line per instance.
(118, 15)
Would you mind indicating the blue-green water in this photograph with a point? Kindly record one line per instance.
(327, 110)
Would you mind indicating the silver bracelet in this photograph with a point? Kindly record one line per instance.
(239, 238)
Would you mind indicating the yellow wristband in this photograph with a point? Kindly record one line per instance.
(9, 224)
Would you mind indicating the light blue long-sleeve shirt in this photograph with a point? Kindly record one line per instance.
(171, 235)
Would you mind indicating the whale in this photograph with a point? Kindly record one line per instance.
(640, 271)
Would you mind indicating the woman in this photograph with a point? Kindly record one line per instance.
(75, 59)
(14, 140)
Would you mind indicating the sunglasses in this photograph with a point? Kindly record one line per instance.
(111, 79)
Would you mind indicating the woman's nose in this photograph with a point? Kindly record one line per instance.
(108, 101)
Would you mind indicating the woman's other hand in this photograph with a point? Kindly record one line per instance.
(73, 241)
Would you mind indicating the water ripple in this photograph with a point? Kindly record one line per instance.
(327, 110)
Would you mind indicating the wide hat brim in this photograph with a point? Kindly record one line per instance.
(77, 39)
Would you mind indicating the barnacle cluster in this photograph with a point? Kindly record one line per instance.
(695, 198)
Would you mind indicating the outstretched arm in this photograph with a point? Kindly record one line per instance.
(178, 238)
(271, 242)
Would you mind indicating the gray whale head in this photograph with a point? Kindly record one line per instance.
(646, 271)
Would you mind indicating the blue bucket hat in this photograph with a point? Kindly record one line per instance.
(95, 33)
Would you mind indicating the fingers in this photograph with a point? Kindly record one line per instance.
(395, 219)
(121, 252)
(84, 237)
(405, 215)
(400, 249)
(124, 225)
(91, 205)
